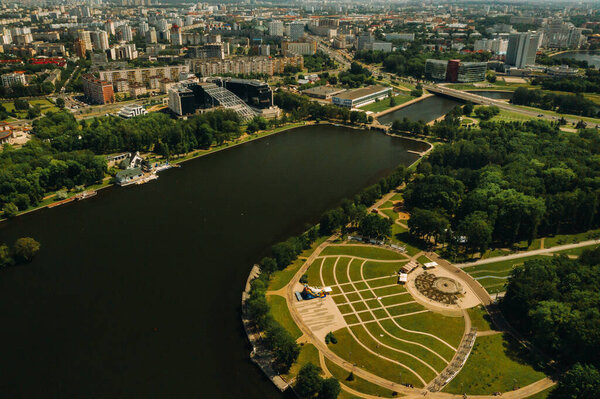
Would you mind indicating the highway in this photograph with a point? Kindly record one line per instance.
(477, 99)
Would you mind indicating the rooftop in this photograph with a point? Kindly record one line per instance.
(362, 92)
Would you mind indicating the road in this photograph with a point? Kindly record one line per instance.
(528, 253)
(477, 99)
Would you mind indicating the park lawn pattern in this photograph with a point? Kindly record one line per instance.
(361, 251)
(373, 269)
(493, 367)
(358, 383)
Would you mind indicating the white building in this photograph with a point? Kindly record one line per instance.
(276, 28)
(496, 46)
(125, 32)
(12, 79)
(132, 110)
(99, 40)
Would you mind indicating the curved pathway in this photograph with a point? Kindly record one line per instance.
(528, 253)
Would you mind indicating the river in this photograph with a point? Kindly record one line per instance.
(592, 57)
(427, 110)
(136, 292)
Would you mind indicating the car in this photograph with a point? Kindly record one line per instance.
(540, 115)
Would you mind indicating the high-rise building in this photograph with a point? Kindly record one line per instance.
(99, 40)
(151, 36)
(143, 28)
(84, 36)
(109, 27)
(176, 35)
(79, 47)
(296, 30)
(276, 28)
(125, 33)
(364, 41)
(522, 48)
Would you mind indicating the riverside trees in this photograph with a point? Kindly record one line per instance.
(505, 183)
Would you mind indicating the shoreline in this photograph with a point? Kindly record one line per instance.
(262, 363)
(178, 161)
(403, 105)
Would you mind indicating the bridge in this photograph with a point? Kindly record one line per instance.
(477, 99)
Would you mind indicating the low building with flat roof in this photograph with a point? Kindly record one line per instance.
(323, 92)
(364, 95)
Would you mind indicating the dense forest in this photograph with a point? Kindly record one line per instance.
(505, 183)
(590, 83)
(556, 303)
(563, 103)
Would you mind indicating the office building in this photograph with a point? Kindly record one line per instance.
(435, 69)
(522, 48)
(255, 93)
(133, 110)
(357, 97)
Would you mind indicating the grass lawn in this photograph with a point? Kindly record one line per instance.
(397, 197)
(354, 271)
(372, 269)
(495, 365)
(327, 266)
(388, 204)
(382, 105)
(416, 350)
(358, 383)
(406, 375)
(390, 213)
(576, 251)
(398, 230)
(561, 239)
(480, 319)
(281, 314)
(552, 113)
(361, 251)
(313, 273)
(401, 309)
(308, 354)
(450, 329)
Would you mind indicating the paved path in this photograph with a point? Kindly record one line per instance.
(528, 253)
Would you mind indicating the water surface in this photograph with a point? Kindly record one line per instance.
(135, 292)
(592, 57)
(427, 110)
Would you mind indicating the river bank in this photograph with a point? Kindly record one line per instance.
(147, 276)
(48, 199)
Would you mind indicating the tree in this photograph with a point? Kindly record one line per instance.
(34, 112)
(26, 248)
(309, 381)
(21, 104)
(428, 225)
(467, 108)
(10, 210)
(477, 231)
(330, 389)
(5, 258)
(374, 226)
(60, 103)
(392, 99)
(580, 382)
(268, 265)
